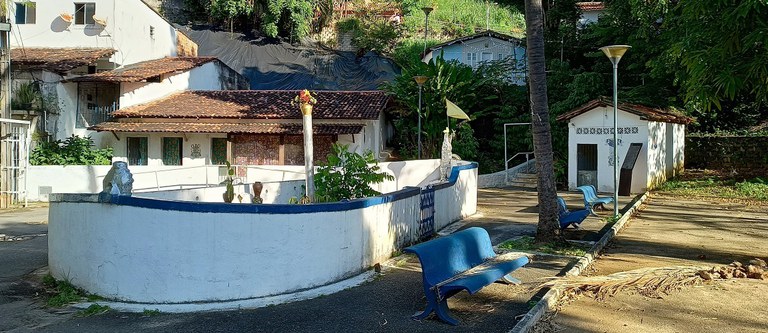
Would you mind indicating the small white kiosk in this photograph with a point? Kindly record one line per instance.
(651, 145)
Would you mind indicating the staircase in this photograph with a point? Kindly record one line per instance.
(524, 179)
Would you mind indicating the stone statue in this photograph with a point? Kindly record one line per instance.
(119, 180)
(446, 153)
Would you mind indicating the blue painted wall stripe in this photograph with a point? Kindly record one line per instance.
(221, 207)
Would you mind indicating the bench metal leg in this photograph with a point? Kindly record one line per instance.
(508, 279)
(440, 308)
(442, 313)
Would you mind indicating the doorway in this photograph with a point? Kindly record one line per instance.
(586, 164)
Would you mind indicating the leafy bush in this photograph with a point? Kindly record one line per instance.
(74, 150)
(347, 175)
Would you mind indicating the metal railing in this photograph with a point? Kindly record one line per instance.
(506, 160)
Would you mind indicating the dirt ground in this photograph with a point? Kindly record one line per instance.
(675, 231)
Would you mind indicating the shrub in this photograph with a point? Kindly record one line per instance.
(74, 150)
(347, 175)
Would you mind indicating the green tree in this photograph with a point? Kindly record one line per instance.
(229, 9)
(348, 175)
(722, 49)
(548, 229)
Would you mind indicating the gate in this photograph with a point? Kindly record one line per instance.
(14, 158)
(427, 223)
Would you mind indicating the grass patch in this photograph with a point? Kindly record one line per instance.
(61, 293)
(719, 187)
(526, 243)
(151, 313)
(92, 310)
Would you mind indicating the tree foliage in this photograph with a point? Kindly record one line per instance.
(347, 175)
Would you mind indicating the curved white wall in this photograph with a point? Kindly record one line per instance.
(159, 251)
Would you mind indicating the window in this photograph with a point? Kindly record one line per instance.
(84, 13)
(471, 59)
(218, 151)
(25, 13)
(172, 152)
(137, 151)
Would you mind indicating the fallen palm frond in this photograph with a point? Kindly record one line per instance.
(650, 282)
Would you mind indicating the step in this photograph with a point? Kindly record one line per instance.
(525, 175)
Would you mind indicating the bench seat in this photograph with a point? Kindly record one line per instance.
(462, 261)
(591, 200)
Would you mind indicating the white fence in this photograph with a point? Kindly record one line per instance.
(158, 251)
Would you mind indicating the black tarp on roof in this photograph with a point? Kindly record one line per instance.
(274, 65)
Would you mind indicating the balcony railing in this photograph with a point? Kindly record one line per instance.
(91, 115)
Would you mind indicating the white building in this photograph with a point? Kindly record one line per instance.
(590, 12)
(89, 59)
(245, 127)
(483, 47)
(659, 135)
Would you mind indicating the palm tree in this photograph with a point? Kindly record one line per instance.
(548, 229)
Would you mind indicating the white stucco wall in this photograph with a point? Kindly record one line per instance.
(127, 30)
(205, 77)
(588, 17)
(602, 118)
(177, 254)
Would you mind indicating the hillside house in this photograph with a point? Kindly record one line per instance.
(483, 47)
(590, 12)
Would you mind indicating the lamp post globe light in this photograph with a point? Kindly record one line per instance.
(420, 79)
(614, 53)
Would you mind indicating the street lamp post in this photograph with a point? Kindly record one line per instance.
(614, 53)
(420, 79)
(426, 10)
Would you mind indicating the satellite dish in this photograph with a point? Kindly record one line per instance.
(66, 17)
(101, 22)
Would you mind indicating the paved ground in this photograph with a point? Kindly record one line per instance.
(383, 305)
(674, 231)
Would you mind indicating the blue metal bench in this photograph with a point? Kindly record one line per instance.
(567, 218)
(591, 199)
(462, 261)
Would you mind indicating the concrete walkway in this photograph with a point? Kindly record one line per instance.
(382, 305)
(674, 231)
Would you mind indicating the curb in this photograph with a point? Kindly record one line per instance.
(551, 298)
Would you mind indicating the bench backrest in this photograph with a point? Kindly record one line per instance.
(589, 193)
(447, 256)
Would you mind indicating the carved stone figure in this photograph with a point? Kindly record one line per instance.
(446, 153)
(119, 180)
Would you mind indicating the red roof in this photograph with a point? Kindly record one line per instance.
(144, 70)
(58, 60)
(590, 6)
(259, 104)
(645, 112)
(250, 128)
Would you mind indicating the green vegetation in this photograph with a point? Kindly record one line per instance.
(61, 292)
(452, 18)
(347, 175)
(526, 243)
(26, 96)
(74, 150)
(720, 187)
(151, 313)
(93, 309)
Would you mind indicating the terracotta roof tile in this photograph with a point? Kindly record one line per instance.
(645, 112)
(259, 104)
(144, 70)
(58, 60)
(590, 6)
(251, 128)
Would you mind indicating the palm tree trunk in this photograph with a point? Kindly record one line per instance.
(548, 229)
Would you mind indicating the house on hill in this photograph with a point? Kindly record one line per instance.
(590, 12)
(651, 145)
(482, 47)
(246, 127)
(87, 60)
